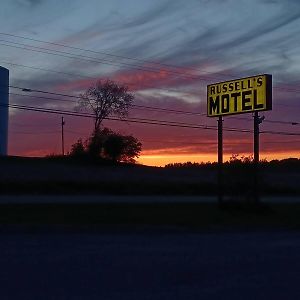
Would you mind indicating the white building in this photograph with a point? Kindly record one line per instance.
(4, 86)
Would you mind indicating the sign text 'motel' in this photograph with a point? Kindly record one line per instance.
(240, 96)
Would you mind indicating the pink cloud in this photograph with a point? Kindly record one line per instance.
(141, 79)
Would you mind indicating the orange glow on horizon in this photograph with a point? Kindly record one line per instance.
(160, 160)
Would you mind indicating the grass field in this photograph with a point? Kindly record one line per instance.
(203, 216)
(52, 177)
(41, 176)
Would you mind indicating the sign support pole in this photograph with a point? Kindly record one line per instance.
(220, 160)
(62, 136)
(257, 121)
(242, 95)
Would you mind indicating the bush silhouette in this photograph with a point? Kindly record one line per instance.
(110, 145)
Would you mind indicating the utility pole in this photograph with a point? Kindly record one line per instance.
(220, 160)
(62, 136)
(257, 121)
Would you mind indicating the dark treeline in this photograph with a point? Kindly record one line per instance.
(243, 162)
(275, 177)
(87, 175)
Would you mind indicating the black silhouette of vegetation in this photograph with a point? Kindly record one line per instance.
(237, 161)
(103, 99)
(276, 177)
(239, 178)
(123, 148)
(70, 175)
(78, 149)
(106, 98)
(108, 145)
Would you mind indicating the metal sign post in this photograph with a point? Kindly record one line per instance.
(256, 137)
(256, 156)
(257, 121)
(62, 136)
(220, 160)
(242, 95)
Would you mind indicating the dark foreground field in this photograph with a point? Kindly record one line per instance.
(195, 212)
(151, 250)
(62, 262)
(68, 176)
(69, 236)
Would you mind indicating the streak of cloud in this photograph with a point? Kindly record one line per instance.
(209, 40)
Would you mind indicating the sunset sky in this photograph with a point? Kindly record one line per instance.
(167, 52)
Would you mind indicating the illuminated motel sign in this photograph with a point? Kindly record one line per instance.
(243, 95)
(238, 96)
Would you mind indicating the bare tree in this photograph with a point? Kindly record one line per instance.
(106, 98)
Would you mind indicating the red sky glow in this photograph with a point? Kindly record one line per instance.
(167, 52)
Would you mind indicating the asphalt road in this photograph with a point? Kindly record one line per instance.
(11, 199)
(148, 264)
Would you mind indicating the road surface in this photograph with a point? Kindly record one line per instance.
(11, 199)
(149, 264)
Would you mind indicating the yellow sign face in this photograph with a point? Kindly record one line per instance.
(239, 96)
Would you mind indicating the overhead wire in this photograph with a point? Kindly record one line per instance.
(113, 63)
(144, 85)
(78, 97)
(139, 106)
(215, 143)
(145, 121)
(125, 83)
(33, 133)
(156, 70)
(92, 59)
(135, 105)
(134, 120)
(101, 52)
(112, 55)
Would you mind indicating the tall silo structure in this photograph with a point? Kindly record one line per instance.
(4, 85)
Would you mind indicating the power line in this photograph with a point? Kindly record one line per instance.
(43, 97)
(111, 55)
(110, 62)
(92, 59)
(133, 120)
(280, 133)
(78, 97)
(90, 77)
(139, 107)
(144, 121)
(172, 111)
(33, 133)
(126, 83)
(44, 69)
(136, 106)
(177, 142)
(113, 63)
(267, 121)
(214, 143)
(102, 53)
